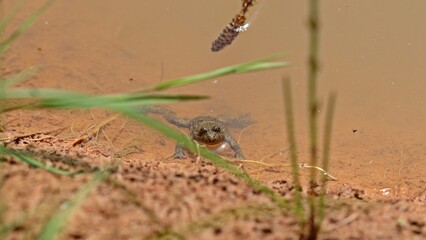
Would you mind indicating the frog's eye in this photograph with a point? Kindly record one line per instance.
(202, 131)
(216, 129)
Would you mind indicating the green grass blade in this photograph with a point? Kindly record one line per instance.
(18, 98)
(17, 78)
(4, 45)
(57, 222)
(8, 18)
(256, 65)
(40, 93)
(288, 104)
(313, 63)
(326, 153)
(115, 101)
(57, 98)
(32, 162)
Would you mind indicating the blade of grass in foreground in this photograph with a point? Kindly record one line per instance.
(57, 98)
(326, 152)
(32, 162)
(256, 65)
(288, 103)
(313, 64)
(116, 101)
(12, 13)
(4, 45)
(17, 78)
(57, 222)
(11, 80)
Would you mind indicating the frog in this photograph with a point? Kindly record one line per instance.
(206, 130)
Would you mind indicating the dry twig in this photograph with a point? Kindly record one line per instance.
(54, 131)
(94, 132)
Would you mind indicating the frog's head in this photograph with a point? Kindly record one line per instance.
(208, 131)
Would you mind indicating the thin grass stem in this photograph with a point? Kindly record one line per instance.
(313, 24)
(4, 45)
(33, 162)
(312, 83)
(288, 104)
(326, 153)
(12, 13)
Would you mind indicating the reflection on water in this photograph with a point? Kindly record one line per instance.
(372, 55)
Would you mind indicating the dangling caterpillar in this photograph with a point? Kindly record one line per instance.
(232, 30)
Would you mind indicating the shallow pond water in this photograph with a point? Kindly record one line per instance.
(372, 56)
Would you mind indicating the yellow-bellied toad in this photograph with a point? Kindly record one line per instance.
(206, 130)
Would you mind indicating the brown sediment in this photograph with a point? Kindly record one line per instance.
(145, 199)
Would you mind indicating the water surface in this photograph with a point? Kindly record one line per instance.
(372, 55)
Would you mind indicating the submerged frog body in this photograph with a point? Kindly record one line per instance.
(206, 130)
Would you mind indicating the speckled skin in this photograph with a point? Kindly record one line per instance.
(204, 129)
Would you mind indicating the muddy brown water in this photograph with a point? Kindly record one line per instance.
(372, 56)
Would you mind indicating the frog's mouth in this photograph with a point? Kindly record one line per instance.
(213, 144)
(210, 142)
